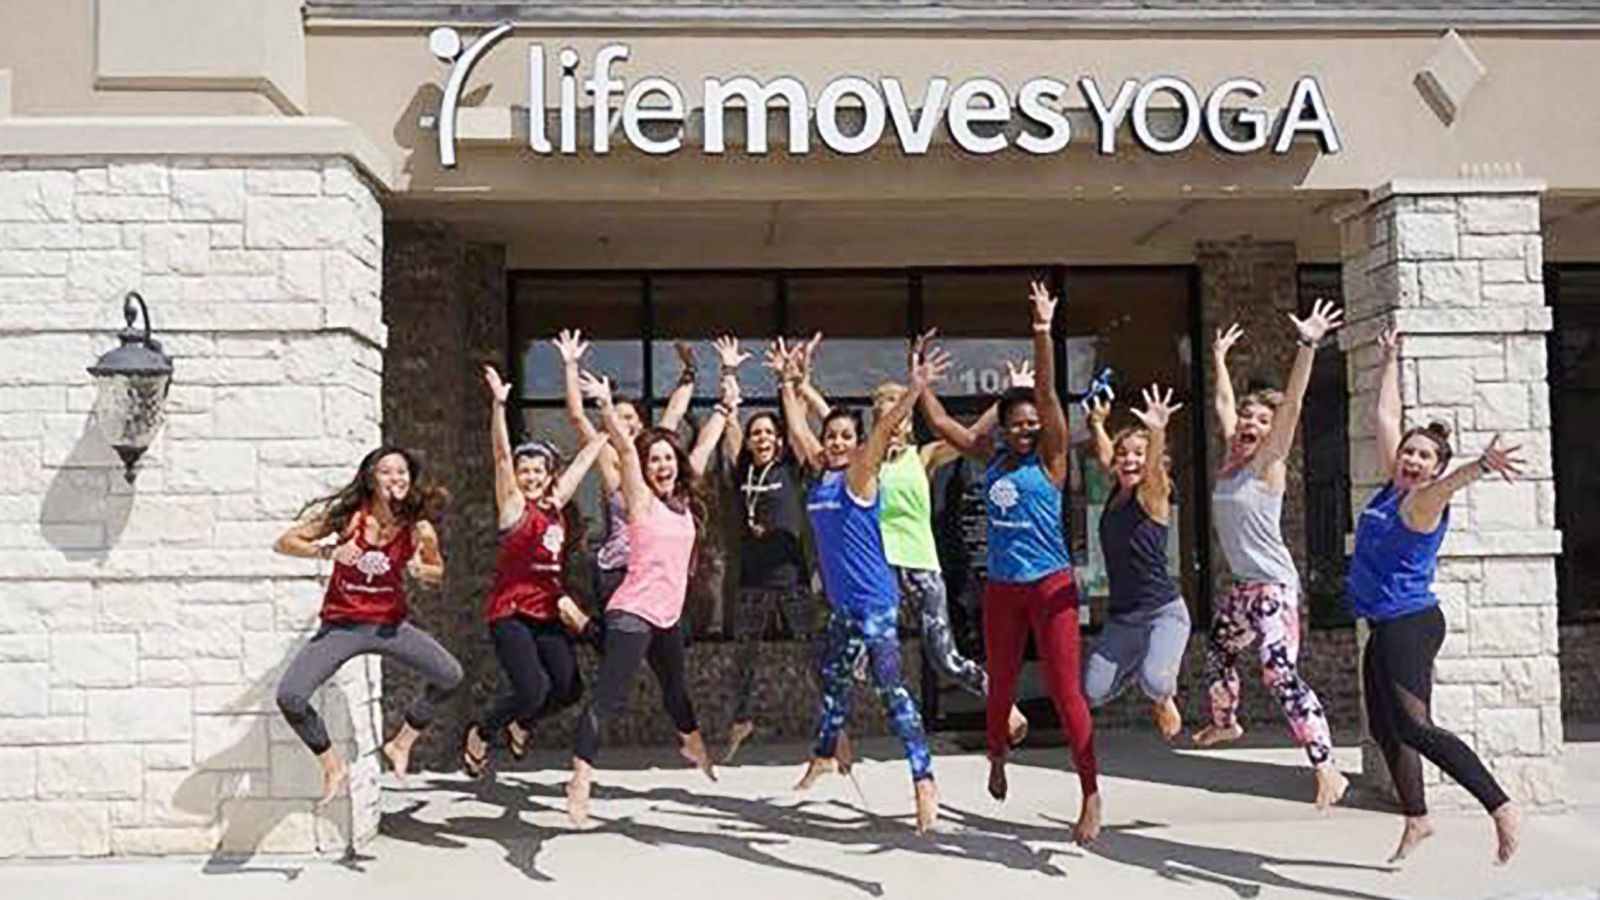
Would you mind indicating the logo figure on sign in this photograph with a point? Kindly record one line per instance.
(445, 43)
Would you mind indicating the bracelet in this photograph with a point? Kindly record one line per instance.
(725, 409)
(1041, 327)
(687, 376)
(1309, 344)
(1483, 467)
(325, 551)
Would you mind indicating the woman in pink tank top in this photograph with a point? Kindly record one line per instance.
(664, 509)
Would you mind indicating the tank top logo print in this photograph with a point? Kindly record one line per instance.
(1004, 494)
(554, 537)
(373, 564)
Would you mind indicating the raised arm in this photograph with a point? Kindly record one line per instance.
(572, 476)
(705, 444)
(1227, 408)
(1312, 329)
(1423, 507)
(572, 346)
(731, 358)
(635, 492)
(1155, 488)
(942, 452)
(508, 501)
(1052, 417)
(923, 367)
(427, 563)
(1387, 423)
(816, 404)
(1104, 452)
(802, 442)
(678, 401)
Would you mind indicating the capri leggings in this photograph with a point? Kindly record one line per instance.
(538, 660)
(629, 641)
(335, 644)
(925, 591)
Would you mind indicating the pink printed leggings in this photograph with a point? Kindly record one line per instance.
(1270, 614)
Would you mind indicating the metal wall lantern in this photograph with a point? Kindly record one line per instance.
(132, 381)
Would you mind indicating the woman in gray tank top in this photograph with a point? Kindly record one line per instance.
(1263, 605)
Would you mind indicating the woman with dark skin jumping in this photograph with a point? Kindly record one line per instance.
(528, 603)
(375, 529)
(664, 514)
(1391, 578)
(1031, 585)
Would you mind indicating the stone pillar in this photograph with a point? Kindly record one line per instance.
(1256, 284)
(143, 626)
(1458, 269)
(445, 304)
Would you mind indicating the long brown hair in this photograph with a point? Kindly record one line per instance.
(687, 489)
(425, 500)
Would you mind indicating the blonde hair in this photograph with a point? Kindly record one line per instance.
(1271, 398)
(888, 392)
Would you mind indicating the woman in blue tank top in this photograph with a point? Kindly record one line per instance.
(843, 506)
(1031, 586)
(1391, 586)
(1147, 625)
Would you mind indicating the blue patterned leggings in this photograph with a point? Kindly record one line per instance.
(876, 631)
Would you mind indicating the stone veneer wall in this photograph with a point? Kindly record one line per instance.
(143, 626)
(1458, 269)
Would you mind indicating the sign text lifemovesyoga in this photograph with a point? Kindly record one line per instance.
(853, 114)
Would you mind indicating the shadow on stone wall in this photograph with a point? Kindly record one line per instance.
(87, 504)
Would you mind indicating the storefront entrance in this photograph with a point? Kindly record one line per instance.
(1141, 322)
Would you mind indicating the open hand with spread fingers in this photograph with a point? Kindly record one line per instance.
(1224, 340)
(728, 352)
(1505, 461)
(1324, 318)
(1041, 303)
(1391, 341)
(499, 389)
(928, 366)
(595, 387)
(571, 345)
(1158, 407)
(807, 355)
(1020, 374)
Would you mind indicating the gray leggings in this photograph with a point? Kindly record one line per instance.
(335, 644)
(925, 591)
(1148, 644)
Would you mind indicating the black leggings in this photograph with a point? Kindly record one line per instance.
(538, 661)
(630, 640)
(1397, 684)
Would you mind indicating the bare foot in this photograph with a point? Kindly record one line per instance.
(997, 778)
(1088, 821)
(927, 805)
(578, 793)
(693, 748)
(1331, 785)
(335, 774)
(1416, 831)
(1211, 735)
(815, 769)
(1168, 720)
(737, 735)
(399, 756)
(843, 755)
(1016, 727)
(1507, 822)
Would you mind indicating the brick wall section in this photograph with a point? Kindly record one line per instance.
(1459, 273)
(1256, 284)
(143, 627)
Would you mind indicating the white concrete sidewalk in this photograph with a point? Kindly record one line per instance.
(1227, 824)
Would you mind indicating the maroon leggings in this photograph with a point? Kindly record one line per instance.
(1050, 607)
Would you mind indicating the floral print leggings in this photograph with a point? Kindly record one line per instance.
(877, 631)
(1269, 613)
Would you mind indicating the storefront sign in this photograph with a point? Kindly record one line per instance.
(854, 114)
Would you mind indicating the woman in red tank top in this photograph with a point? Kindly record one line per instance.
(528, 610)
(374, 529)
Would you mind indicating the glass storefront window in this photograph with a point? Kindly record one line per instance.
(697, 309)
(609, 310)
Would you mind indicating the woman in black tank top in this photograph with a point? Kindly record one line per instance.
(1147, 626)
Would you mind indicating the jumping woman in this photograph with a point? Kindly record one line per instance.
(1147, 623)
(1030, 583)
(844, 505)
(772, 565)
(663, 512)
(374, 529)
(906, 519)
(1264, 602)
(528, 603)
(612, 556)
(1391, 581)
